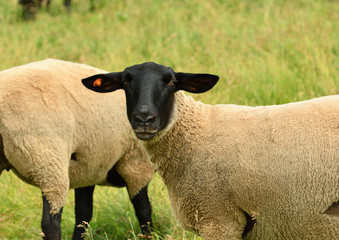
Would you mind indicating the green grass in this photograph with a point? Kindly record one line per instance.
(265, 51)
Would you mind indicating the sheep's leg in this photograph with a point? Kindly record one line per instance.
(29, 8)
(92, 7)
(44, 164)
(48, 3)
(50, 224)
(4, 164)
(143, 210)
(140, 201)
(67, 4)
(83, 209)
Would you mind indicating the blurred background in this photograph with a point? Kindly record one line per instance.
(265, 52)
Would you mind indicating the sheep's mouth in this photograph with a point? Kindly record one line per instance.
(145, 133)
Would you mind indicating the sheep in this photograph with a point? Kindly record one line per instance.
(57, 138)
(30, 6)
(233, 172)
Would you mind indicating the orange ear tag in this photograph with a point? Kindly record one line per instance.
(97, 83)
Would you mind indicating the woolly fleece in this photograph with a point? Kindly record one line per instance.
(46, 115)
(277, 163)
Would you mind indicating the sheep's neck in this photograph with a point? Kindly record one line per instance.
(170, 152)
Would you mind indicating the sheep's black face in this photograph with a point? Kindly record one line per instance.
(149, 89)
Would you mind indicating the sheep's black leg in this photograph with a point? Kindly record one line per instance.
(67, 4)
(141, 203)
(92, 7)
(143, 210)
(29, 8)
(250, 223)
(48, 3)
(50, 224)
(83, 209)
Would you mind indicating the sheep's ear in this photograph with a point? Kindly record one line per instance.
(104, 82)
(195, 83)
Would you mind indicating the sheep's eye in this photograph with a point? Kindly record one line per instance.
(169, 80)
(126, 79)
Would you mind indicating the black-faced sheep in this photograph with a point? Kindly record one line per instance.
(232, 172)
(55, 135)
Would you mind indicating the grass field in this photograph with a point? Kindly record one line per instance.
(265, 52)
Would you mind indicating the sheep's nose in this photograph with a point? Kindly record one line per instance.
(144, 118)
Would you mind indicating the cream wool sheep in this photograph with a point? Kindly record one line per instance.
(46, 120)
(231, 171)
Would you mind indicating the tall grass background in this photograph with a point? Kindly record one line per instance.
(265, 52)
